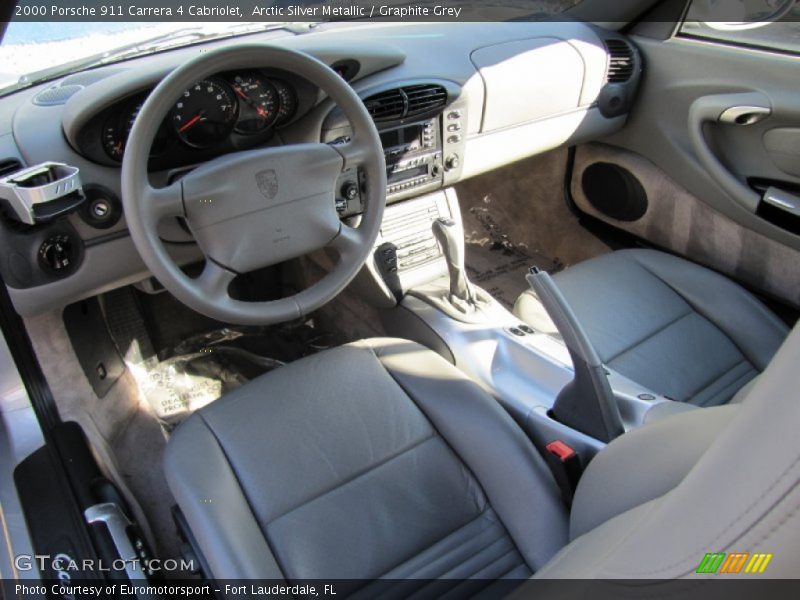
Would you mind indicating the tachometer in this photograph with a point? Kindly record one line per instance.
(206, 113)
(258, 102)
(288, 101)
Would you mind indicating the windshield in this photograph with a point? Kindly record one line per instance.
(33, 51)
(31, 47)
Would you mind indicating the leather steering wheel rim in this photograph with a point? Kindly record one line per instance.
(232, 183)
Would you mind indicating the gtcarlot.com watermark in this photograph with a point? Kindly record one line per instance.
(66, 569)
(67, 573)
(65, 566)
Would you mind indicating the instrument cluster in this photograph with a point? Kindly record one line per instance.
(234, 109)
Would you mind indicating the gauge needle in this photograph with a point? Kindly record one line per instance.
(191, 122)
(259, 109)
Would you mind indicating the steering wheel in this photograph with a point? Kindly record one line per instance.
(252, 209)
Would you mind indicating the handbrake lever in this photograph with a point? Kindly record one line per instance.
(586, 403)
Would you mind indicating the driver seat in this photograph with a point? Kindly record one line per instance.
(379, 459)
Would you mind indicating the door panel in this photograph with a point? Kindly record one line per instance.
(715, 126)
(783, 148)
(678, 221)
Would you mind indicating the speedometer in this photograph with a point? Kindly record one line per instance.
(205, 114)
(258, 102)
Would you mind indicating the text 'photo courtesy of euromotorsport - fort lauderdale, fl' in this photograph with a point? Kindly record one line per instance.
(400, 299)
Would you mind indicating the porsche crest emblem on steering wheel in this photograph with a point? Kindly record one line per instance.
(267, 182)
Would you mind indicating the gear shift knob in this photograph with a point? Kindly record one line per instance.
(450, 239)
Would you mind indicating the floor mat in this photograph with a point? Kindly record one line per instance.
(497, 263)
(200, 367)
(516, 217)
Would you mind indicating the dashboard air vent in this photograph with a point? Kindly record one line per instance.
(386, 106)
(9, 166)
(422, 98)
(620, 61)
(407, 101)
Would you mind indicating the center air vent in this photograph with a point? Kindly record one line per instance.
(408, 101)
(387, 106)
(620, 61)
(422, 98)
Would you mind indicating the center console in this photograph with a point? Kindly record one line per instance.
(550, 387)
(414, 165)
(423, 153)
(526, 369)
(417, 274)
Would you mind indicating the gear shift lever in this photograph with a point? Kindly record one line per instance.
(451, 241)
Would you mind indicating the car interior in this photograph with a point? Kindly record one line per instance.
(396, 302)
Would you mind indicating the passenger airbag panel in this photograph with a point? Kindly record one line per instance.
(528, 79)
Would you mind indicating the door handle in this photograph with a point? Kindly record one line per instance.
(737, 108)
(783, 200)
(744, 115)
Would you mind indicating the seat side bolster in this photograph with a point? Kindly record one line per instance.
(206, 488)
(618, 479)
(514, 477)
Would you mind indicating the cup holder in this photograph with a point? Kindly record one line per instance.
(43, 192)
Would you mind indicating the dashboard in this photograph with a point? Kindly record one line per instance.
(450, 100)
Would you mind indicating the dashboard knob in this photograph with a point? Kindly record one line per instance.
(56, 253)
(350, 190)
(452, 162)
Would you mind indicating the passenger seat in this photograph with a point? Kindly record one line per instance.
(679, 329)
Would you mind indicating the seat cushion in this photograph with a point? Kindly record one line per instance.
(376, 459)
(675, 327)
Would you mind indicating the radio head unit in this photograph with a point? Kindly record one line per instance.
(410, 138)
(413, 157)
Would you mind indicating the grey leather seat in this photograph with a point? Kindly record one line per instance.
(374, 459)
(380, 459)
(675, 327)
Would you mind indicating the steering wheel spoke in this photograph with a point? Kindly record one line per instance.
(349, 243)
(214, 281)
(355, 152)
(160, 203)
